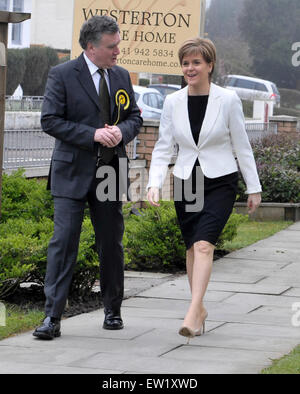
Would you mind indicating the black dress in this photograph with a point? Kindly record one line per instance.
(219, 193)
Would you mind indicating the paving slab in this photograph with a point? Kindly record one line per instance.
(294, 292)
(257, 300)
(14, 367)
(294, 227)
(249, 302)
(279, 253)
(215, 354)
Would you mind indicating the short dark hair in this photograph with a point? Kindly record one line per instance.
(93, 29)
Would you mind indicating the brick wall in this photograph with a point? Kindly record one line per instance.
(285, 124)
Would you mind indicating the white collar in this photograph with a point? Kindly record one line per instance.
(92, 67)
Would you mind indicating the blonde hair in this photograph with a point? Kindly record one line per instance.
(197, 45)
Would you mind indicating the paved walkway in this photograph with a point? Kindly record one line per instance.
(249, 301)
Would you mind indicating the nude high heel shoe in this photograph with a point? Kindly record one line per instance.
(189, 333)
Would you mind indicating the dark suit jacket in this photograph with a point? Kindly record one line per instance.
(71, 113)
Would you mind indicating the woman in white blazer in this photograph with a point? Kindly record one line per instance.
(207, 124)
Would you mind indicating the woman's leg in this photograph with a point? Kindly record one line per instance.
(202, 267)
(190, 265)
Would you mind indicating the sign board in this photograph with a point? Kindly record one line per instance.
(151, 30)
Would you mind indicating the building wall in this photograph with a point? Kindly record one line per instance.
(23, 39)
(51, 23)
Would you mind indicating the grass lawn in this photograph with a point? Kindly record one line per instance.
(289, 364)
(251, 232)
(18, 321)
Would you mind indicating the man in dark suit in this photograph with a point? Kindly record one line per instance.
(90, 109)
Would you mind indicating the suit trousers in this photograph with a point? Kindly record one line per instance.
(108, 223)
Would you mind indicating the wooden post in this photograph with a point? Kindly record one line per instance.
(5, 19)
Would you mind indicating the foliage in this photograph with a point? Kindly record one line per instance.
(25, 231)
(23, 246)
(23, 255)
(278, 165)
(270, 30)
(153, 240)
(223, 29)
(29, 67)
(26, 198)
(38, 60)
(222, 18)
(15, 69)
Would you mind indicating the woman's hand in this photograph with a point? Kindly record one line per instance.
(253, 202)
(153, 196)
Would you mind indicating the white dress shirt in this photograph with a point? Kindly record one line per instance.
(95, 75)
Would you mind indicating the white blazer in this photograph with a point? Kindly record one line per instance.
(223, 132)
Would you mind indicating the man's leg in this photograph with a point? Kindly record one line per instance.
(62, 253)
(107, 219)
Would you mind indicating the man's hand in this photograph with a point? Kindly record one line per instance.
(116, 132)
(109, 136)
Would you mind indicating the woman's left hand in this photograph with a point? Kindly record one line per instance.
(253, 202)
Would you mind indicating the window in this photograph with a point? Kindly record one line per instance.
(160, 102)
(4, 5)
(245, 84)
(18, 6)
(261, 87)
(274, 88)
(230, 81)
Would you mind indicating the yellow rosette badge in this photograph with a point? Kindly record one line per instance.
(122, 100)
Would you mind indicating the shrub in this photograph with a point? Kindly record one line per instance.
(153, 240)
(38, 62)
(23, 246)
(26, 198)
(278, 164)
(15, 69)
(279, 184)
(25, 231)
(23, 255)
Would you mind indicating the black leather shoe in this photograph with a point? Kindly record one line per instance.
(49, 329)
(112, 321)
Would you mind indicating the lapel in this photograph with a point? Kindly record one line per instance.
(86, 80)
(212, 112)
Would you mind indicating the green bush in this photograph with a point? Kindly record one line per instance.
(25, 231)
(153, 240)
(279, 184)
(23, 246)
(278, 164)
(23, 255)
(26, 198)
